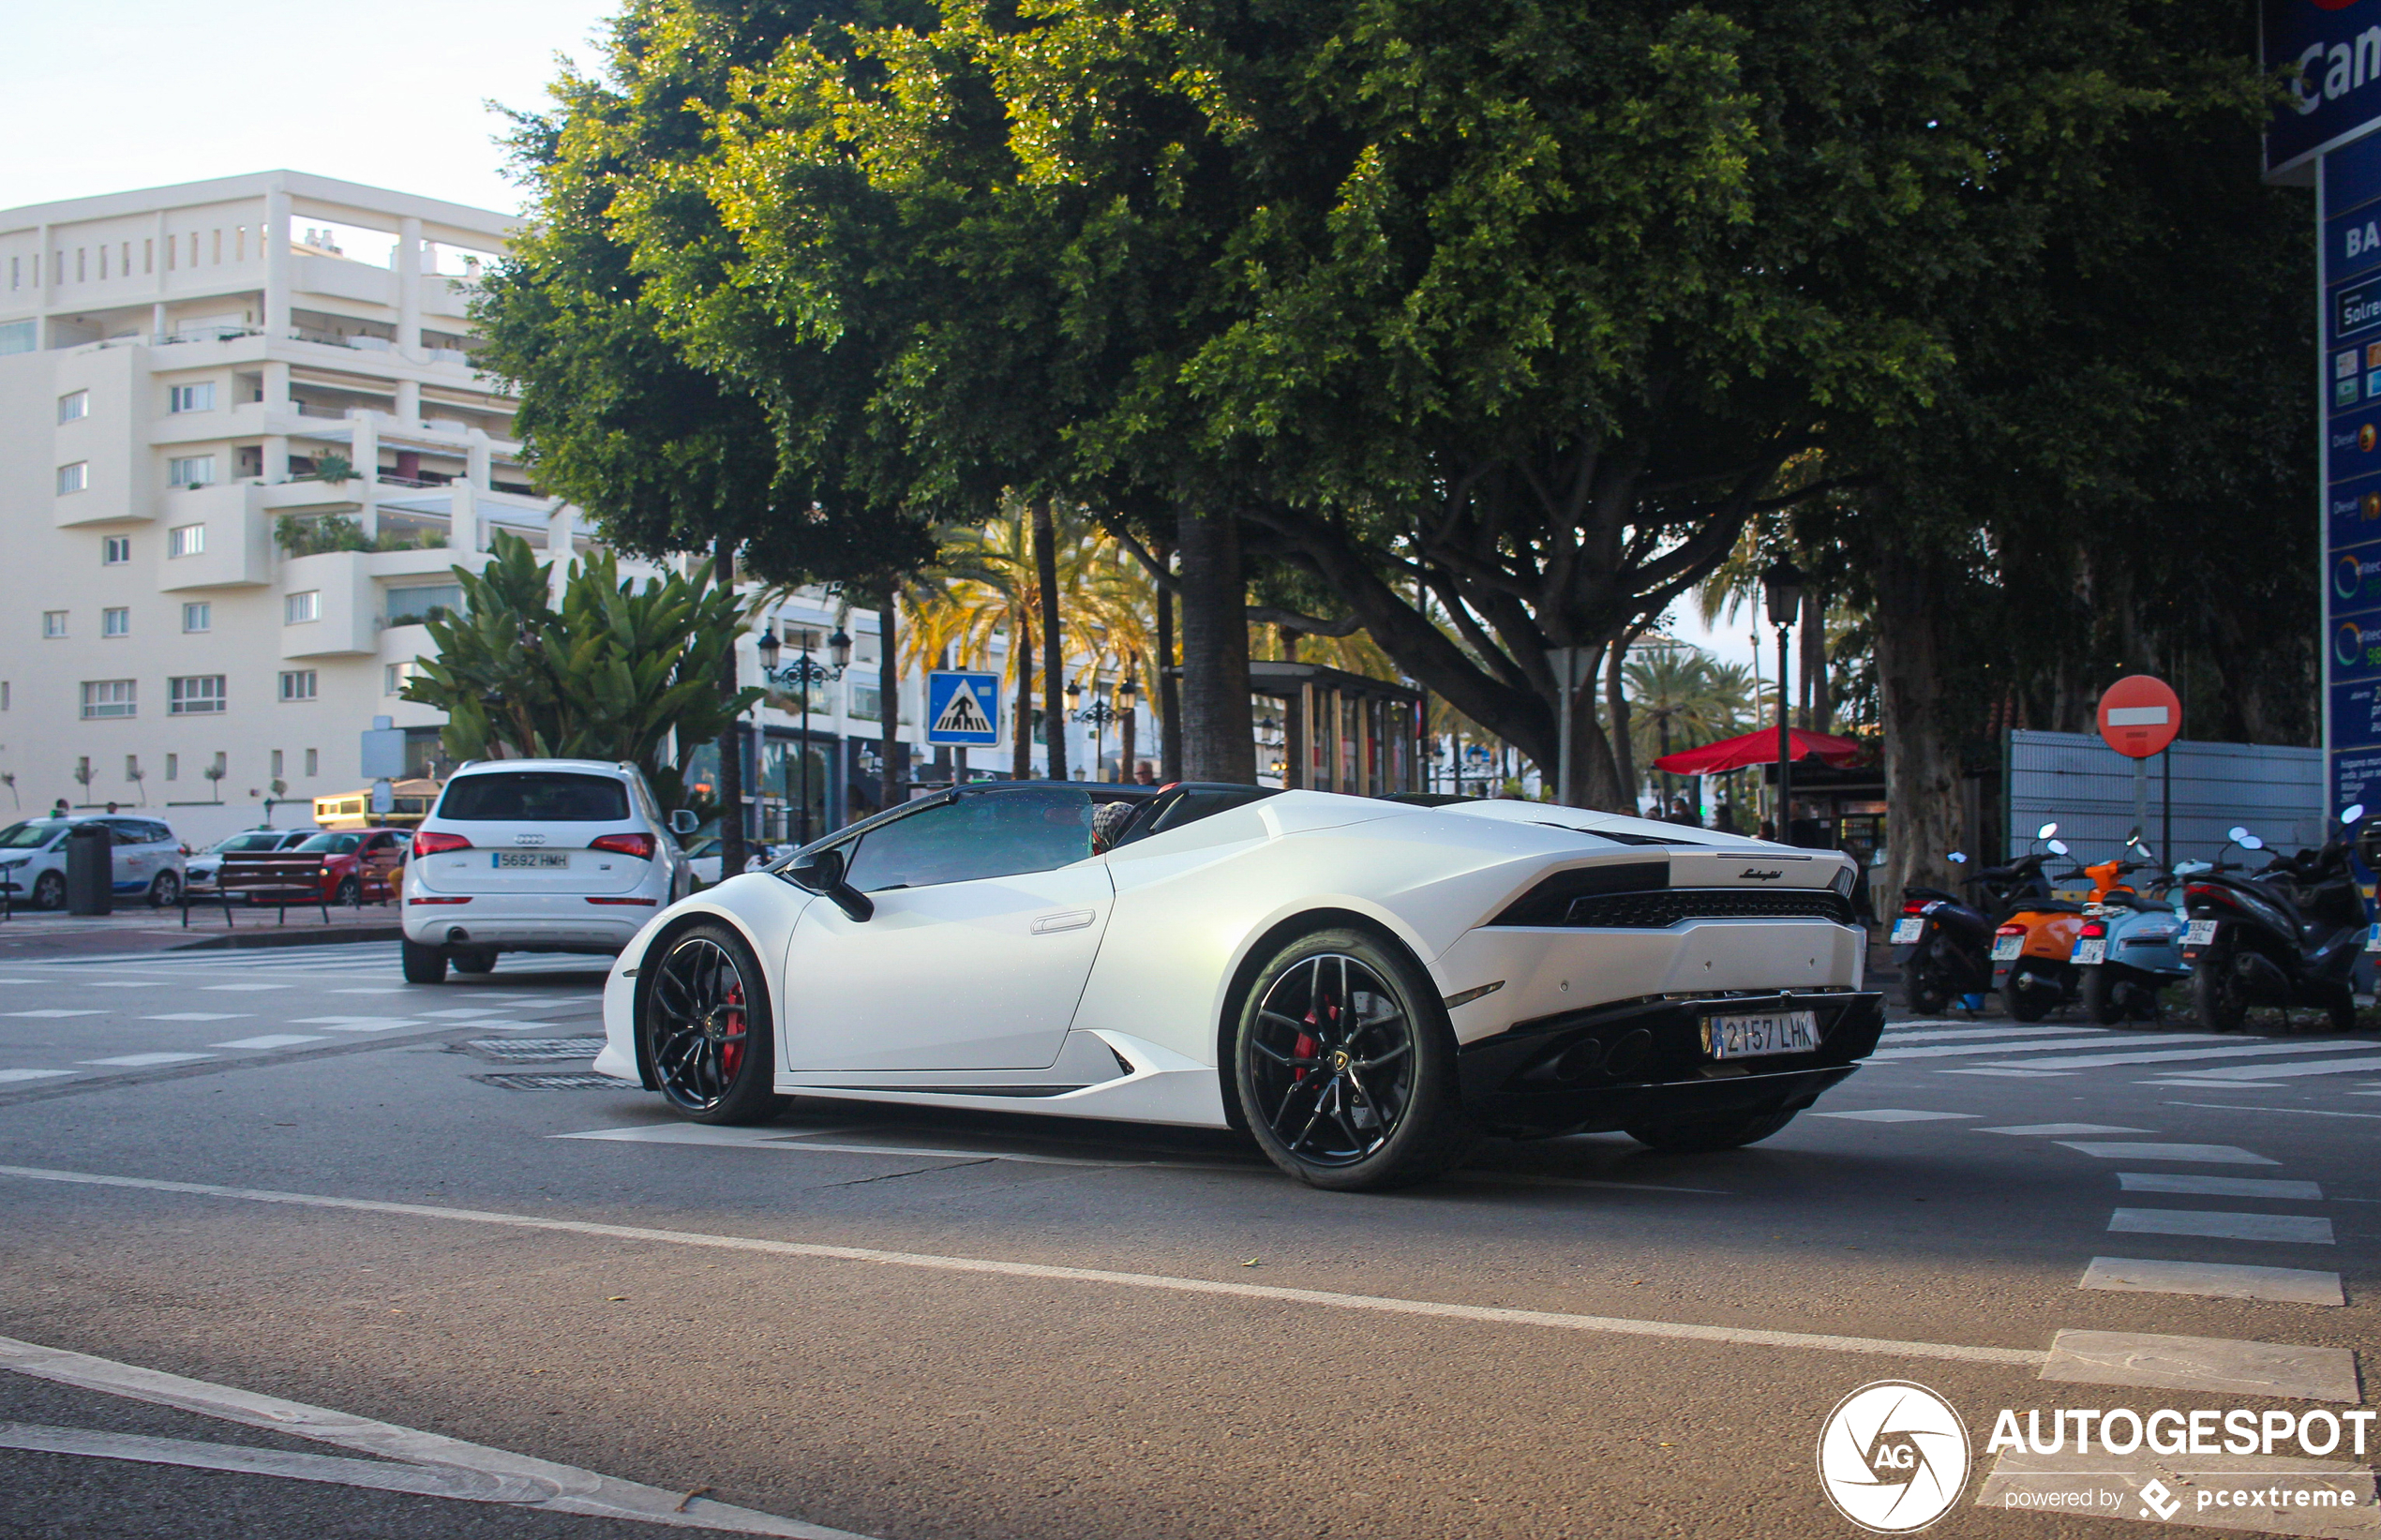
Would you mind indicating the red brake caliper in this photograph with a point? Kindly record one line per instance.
(731, 1051)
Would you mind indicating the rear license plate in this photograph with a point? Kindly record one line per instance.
(1751, 1037)
(2199, 933)
(1909, 930)
(2006, 949)
(543, 861)
(2089, 952)
(2373, 940)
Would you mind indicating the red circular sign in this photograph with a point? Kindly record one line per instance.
(2140, 715)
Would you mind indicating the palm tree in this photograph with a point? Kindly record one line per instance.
(1682, 697)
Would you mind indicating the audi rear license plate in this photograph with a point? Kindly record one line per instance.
(2199, 933)
(543, 861)
(2090, 952)
(2006, 948)
(1908, 931)
(1752, 1037)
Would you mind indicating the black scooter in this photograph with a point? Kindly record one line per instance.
(2287, 936)
(1944, 941)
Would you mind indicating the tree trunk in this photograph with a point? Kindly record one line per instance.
(731, 740)
(889, 695)
(1819, 706)
(1167, 683)
(1053, 653)
(1922, 772)
(1616, 709)
(1021, 723)
(1217, 743)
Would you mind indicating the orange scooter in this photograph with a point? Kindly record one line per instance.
(2034, 944)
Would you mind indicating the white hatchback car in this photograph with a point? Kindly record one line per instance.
(538, 854)
(145, 857)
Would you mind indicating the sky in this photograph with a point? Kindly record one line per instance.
(129, 93)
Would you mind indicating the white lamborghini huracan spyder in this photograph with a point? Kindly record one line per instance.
(1362, 986)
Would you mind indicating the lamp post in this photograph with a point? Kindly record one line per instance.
(1098, 715)
(804, 671)
(1129, 694)
(1782, 591)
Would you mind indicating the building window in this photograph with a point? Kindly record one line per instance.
(116, 621)
(186, 540)
(198, 398)
(221, 767)
(115, 550)
(107, 698)
(198, 616)
(74, 406)
(173, 767)
(311, 763)
(394, 675)
(74, 478)
(277, 756)
(190, 471)
(20, 336)
(298, 608)
(194, 695)
(53, 623)
(4, 695)
(430, 602)
(296, 684)
(149, 265)
(131, 768)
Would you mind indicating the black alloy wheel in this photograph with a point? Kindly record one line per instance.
(706, 1028)
(2217, 999)
(50, 892)
(422, 964)
(2103, 999)
(2031, 990)
(474, 962)
(1345, 1065)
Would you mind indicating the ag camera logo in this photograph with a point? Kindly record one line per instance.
(1892, 1457)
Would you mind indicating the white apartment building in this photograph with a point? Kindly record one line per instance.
(179, 369)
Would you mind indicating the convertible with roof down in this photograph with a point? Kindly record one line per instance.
(1365, 987)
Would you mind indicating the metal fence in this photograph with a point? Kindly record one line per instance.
(2086, 788)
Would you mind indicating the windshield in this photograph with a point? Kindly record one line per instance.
(269, 839)
(338, 845)
(538, 796)
(30, 835)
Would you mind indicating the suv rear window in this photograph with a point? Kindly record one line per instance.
(535, 797)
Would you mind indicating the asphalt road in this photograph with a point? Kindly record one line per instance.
(307, 1189)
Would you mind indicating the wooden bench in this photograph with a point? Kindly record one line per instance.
(283, 877)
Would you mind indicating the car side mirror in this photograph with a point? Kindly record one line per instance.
(821, 871)
(683, 821)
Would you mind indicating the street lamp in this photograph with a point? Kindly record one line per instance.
(1100, 715)
(804, 672)
(1129, 694)
(1782, 591)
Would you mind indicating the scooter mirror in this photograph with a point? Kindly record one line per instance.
(2353, 814)
(2045, 831)
(2057, 847)
(1957, 858)
(2250, 842)
(2237, 834)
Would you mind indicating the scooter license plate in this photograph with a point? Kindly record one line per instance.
(2006, 948)
(1908, 931)
(2372, 938)
(2200, 933)
(2090, 952)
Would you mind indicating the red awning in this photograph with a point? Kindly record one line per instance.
(1758, 748)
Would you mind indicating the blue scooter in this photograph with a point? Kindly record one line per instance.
(2131, 944)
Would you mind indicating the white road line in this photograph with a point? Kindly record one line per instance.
(467, 1013)
(572, 1491)
(245, 989)
(104, 983)
(2294, 1229)
(2046, 1130)
(2214, 1280)
(200, 1016)
(2280, 1071)
(194, 1454)
(49, 1014)
(2237, 1107)
(1895, 1036)
(1619, 1325)
(271, 1039)
(2012, 1074)
(2203, 1363)
(1893, 1115)
(142, 1061)
(2101, 1061)
(2206, 1154)
(2217, 1187)
(10, 1075)
(1962, 1050)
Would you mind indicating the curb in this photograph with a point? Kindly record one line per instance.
(283, 937)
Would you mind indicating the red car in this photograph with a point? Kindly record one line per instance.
(357, 863)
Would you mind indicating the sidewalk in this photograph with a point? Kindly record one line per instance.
(29, 934)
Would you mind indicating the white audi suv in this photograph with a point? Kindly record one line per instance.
(538, 854)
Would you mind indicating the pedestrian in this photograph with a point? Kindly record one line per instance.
(1725, 820)
(111, 807)
(1145, 775)
(61, 810)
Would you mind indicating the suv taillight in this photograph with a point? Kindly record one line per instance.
(429, 843)
(638, 846)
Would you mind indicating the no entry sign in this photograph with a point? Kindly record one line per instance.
(2139, 715)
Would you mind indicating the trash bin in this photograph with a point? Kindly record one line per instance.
(90, 868)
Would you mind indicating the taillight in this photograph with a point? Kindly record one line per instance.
(1914, 906)
(428, 843)
(2095, 930)
(2198, 890)
(2010, 930)
(638, 846)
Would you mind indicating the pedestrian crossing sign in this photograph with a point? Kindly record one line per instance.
(963, 708)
